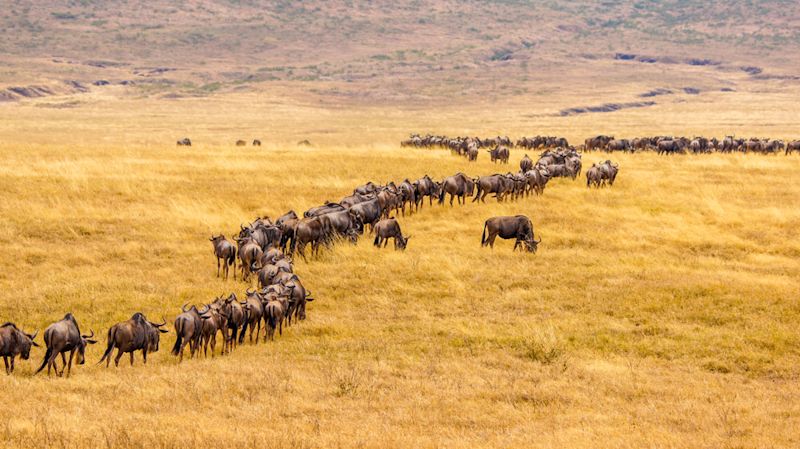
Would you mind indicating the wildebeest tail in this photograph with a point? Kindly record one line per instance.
(308, 296)
(111, 334)
(483, 236)
(244, 326)
(232, 257)
(47, 356)
(179, 337)
(377, 240)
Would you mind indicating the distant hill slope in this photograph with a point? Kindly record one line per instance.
(387, 50)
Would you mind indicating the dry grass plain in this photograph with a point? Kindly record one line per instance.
(659, 313)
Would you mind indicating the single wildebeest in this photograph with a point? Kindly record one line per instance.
(232, 310)
(537, 179)
(326, 208)
(185, 142)
(298, 296)
(525, 164)
(608, 171)
(350, 201)
(518, 227)
(425, 186)
(497, 184)
(286, 223)
(188, 329)
(459, 185)
(254, 313)
(369, 212)
(345, 224)
(13, 343)
(499, 154)
(593, 176)
(389, 228)
(256, 143)
(309, 230)
(240, 143)
(249, 252)
(61, 337)
(275, 310)
(472, 153)
(214, 320)
(408, 195)
(135, 334)
(792, 146)
(366, 189)
(225, 251)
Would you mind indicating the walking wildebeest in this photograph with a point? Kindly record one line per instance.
(254, 313)
(425, 186)
(214, 320)
(369, 212)
(223, 249)
(185, 142)
(499, 154)
(497, 184)
(256, 143)
(13, 343)
(458, 185)
(593, 176)
(249, 252)
(525, 164)
(309, 230)
(61, 337)
(135, 334)
(188, 329)
(608, 171)
(792, 146)
(518, 227)
(390, 228)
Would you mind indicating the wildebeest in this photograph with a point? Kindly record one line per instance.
(608, 172)
(13, 343)
(188, 330)
(390, 228)
(326, 208)
(459, 185)
(351, 200)
(517, 227)
(254, 313)
(593, 176)
(497, 184)
(234, 314)
(344, 224)
(366, 189)
(597, 142)
(249, 252)
(369, 212)
(425, 186)
(135, 334)
(499, 154)
(214, 320)
(537, 179)
(275, 310)
(256, 143)
(525, 164)
(240, 143)
(61, 337)
(224, 250)
(309, 230)
(792, 146)
(185, 142)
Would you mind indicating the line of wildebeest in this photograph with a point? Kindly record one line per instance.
(498, 147)
(264, 249)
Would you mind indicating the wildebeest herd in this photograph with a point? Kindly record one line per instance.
(264, 250)
(469, 146)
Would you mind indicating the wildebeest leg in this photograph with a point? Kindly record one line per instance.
(69, 365)
(492, 236)
(116, 359)
(451, 200)
(12, 363)
(217, 266)
(131, 358)
(5, 361)
(63, 364)
(386, 242)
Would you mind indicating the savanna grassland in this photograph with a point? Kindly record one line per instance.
(661, 312)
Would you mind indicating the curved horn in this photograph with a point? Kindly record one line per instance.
(248, 292)
(164, 322)
(538, 241)
(88, 336)
(183, 307)
(34, 334)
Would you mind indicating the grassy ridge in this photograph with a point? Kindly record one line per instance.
(659, 312)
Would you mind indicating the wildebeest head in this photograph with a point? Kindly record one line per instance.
(22, 341)
(532, 245)
(402, 242)
(85, 340)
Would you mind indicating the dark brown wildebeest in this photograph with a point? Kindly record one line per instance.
(286, 223)
(185, 142)
(275, 310)
(608, 172)
(13, 343)
(214, 320)
(525, 164)
(472, 153)
(618, 145)
(389, 228)
(61, 337)
(298, 297)
(263, 232)
(135, 334)
(240, 143)
(597, 142)
(497, 184)
(344, 224)
(408, 194)
(224, 250)
(254, 313)
(232, 310)
(517, 227)
(369, 212)
(574, 165)
(792, 146)
(458, 185)
(366, 189)
(249, 252)
(537, 179)
(273, 255)
(352, 200)
(593, 176)
(309, 230)
(188, 330)
(499, 154)
(425, 186)
(256, 143)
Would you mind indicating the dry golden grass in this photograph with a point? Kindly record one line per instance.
(659, 313)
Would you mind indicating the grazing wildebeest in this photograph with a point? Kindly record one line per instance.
(256, 143)
(517, 227)
(608, 171)
(499, 154)
(13, 343)
(254, 313)
(61, 337)
(185, 142)
(497, 184)
(188, 330)
(369, 212)
(249, 252)
(135, 334)
(525, 164)
(458, 185)
(224, 250)
(240, 143)
(389, 228)
(214, 320)
(593, 176)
